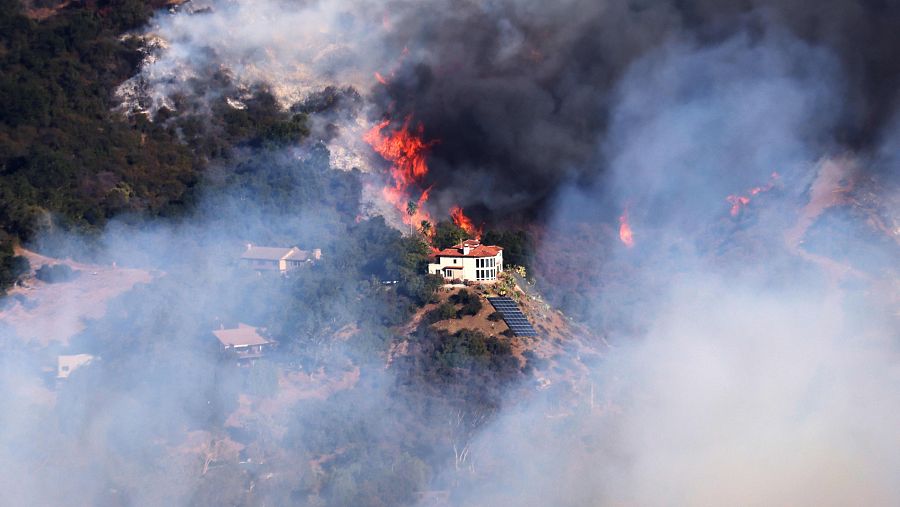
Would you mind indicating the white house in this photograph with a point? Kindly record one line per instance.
(468, 261)
(267, 258)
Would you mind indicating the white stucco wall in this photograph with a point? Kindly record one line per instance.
(469, 266)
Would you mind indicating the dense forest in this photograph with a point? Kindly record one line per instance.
(65, 158)
(64, 155)
(69, 161)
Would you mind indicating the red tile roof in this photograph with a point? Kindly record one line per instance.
(476, 249)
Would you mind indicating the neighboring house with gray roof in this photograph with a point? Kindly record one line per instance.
(283, 260)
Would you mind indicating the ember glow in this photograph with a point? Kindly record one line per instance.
(625, 234)
(406, 152)
(739, 202)
(381, 78)
(464, 222)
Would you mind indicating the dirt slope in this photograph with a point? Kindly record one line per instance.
(51, 313)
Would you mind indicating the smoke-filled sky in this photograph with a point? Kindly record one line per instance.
(520, 93)
(750, 364)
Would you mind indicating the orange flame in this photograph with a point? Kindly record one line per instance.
(739, 202)
(625, 233)
(384, 80)
(406, 152)
(465, 223)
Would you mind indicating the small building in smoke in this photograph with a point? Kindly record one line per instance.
(468, 261)
(283, 260)
(66, 364)
(243, 343)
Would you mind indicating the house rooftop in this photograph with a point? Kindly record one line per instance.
(66, 364)
(275, 253)
(470, 248)
(301, 255)
(269, 253)
(242, 336)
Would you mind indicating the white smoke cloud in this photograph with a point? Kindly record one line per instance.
(296, 48)
(750, 375)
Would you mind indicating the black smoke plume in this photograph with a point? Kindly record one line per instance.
(519, 93)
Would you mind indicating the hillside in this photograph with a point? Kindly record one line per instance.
(562, 354)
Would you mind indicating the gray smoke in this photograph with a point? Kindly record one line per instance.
(517, 92)
(749, 365)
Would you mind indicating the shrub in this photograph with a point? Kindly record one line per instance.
(472, 307)
(11, 266)
(445, 311)
(462, 297)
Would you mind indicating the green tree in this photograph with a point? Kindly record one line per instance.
(11, 266)
(517, 246)
(425, 228)
(447, 234)
(411, 208)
